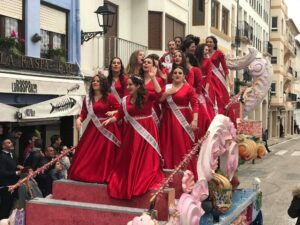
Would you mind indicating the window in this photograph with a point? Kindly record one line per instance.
(273, 89)
(215, 14)
(155, 30)
(274, 24)
(198, 12)
(225, 19)
(11, 25)
(51, 40)
(173, 28)
(274, 59)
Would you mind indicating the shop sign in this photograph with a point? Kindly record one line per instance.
(24, 86)
(21, 62)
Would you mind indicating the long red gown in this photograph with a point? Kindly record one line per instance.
(175, 143)
(95, 155)
(222, 96)
(138, 167)
(121, 91)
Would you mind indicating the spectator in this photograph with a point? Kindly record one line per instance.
(9, 174)
(56, 173)
(56, 143)
(31, 143)
(265, 137)
(15, 136)
(65, 163)
(294, 209)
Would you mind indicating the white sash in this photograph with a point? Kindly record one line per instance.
(106, 133)
(115, 93)
(181, 119)
(215, 107)
(219, 75)
(155, 117)
(202, 100)
(140, 129)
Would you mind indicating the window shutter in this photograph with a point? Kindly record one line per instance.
(53, 20)
(155, 30)
(11, 8)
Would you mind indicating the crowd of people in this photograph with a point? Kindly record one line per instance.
(144, 118)
(147, 116)
(17, 163)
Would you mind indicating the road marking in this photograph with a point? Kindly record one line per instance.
(296, 153)
(281, 152)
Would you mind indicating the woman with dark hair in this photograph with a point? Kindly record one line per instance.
(207, 87)
(188, 46)
(162, 71)
(220, 78)
(96, 151)
(178, 42)
(179, 121)
(135, 62)
(149, 65)
(180, 60)
(204, 119)
(138, 168)
(117, 78)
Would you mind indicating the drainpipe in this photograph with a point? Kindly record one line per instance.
(78, 33)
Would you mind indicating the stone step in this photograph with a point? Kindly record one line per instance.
(42, 211)
(97, 193)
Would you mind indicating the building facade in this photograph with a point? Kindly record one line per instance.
(41, 85)
(283, 97)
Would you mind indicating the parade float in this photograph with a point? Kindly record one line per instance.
(181, 200)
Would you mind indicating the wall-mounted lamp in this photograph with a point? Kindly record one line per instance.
(108, 13)
(36, 38)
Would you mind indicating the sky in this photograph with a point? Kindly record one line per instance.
(293, 12)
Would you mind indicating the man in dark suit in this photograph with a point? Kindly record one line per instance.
(9, 174)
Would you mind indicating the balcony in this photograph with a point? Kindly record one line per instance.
(268, 48)
(291, 97)
(119, 47)
(245, 32)
(289, 47)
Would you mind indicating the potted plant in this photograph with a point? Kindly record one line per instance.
(58, 54)
(11, 45)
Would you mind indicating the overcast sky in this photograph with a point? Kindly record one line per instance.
(293, 10)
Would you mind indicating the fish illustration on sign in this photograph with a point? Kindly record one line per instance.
(64, 105)
(73, 88)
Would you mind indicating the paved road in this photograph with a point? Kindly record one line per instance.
(279, 172)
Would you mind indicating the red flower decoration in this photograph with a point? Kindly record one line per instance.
(13, 34)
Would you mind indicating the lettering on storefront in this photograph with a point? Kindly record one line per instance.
(30, 113)
(9, 61)
(23, 86)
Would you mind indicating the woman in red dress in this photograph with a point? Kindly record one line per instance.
(180, 60)
(179, 121)
(220, 72)
(96, 151)
(135, 62)
(138, 168)
(204, 119)
(148, 65)
(207, 88)
(117, 78)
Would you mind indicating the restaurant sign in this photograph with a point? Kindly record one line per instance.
(21, 62)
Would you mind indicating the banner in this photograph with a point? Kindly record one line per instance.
(67, 105)
(8, 113)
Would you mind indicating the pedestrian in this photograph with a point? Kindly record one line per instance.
(96, 151)
(9, 175)
(56, 143)
(265, 137)
(15, 136)
(138, 168)
(294, 209)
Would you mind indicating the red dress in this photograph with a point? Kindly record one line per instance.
(150, 87)
(95, 155)
(222, 96)
(175, 143)
(121, 91)
(190, 78)
(138, 167)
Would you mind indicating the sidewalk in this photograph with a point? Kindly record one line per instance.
(274, 141)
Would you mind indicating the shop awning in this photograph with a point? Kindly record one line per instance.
(39, 85)
(68, 105)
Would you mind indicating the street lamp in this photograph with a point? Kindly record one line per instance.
(107, 12)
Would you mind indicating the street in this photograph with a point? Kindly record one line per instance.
(279, 172)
